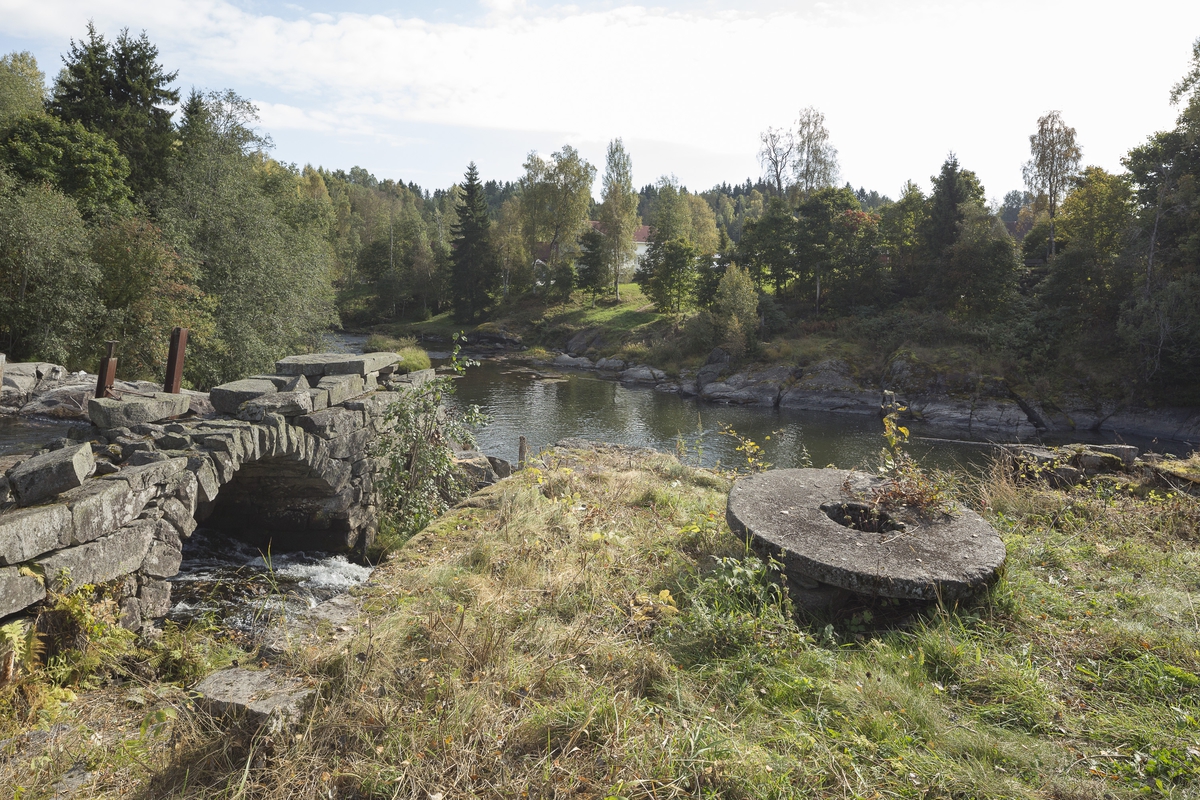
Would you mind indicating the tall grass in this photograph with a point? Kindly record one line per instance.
(591, 628)
(412, 356)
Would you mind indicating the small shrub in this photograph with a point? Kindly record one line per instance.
(420, 478)
(699, 334)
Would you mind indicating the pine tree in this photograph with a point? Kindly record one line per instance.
(120, 90)
(475, 266)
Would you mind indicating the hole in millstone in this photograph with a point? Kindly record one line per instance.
(274, 543)
(861, 517)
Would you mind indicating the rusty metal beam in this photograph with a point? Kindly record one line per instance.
(179, 338)
(108, 371)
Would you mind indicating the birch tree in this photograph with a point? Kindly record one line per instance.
(776, 152)
(814, 161)
(618, 211)
(1054, 162)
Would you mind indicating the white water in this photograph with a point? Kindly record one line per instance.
(227, 581)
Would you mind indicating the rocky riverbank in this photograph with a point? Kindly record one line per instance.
(950, 404)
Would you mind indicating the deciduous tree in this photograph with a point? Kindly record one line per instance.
(22, 87)
(1053, 163)
(814, 164)
(260, 242)
(776, 153)
(668, 273)
(618, 212)
(87, 166)
(735, 310)
(556, 194)
(47, 280)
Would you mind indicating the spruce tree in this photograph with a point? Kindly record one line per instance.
(120, 90)
(475, 266)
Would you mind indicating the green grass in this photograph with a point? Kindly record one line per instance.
(591, 628)
(633, 319)
(412, 357)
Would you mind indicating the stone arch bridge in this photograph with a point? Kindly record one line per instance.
(283, 459)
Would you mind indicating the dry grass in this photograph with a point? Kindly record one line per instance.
(590, 628)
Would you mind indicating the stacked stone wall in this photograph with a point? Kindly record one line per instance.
(116, 507)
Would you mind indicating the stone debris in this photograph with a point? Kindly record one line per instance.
(643, 374)
(477, 467)
(73, 782)
(573, 362)
(48, 474)
(332, 620)
(260, 699)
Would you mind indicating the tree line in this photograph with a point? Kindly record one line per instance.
(119, 222)
(120, 219)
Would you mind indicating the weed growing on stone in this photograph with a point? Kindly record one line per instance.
(910, 489)
(752, 457)
(412, 356)
(420, 479)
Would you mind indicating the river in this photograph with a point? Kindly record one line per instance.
(545, 405)
(242, 587)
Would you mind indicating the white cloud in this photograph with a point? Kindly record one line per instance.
(900, 84)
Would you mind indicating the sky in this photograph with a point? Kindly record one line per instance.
(415, 90)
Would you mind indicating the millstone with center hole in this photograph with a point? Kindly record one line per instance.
(833, 542)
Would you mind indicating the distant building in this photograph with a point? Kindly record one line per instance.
(641, 241)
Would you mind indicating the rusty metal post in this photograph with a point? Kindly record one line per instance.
(522, 451)
(108, 371)
(179, 338)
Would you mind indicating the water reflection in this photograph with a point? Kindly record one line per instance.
(520, 402)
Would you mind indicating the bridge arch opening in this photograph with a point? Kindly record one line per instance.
(285, 505)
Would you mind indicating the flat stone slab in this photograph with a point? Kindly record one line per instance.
(48, 474)
(227, 397)
(289, 404)
(363, 364)
(106, 412)
(780, 513)
(257, 697)
(332, 620)
(319, 364)
(18, 590)
(29, 532)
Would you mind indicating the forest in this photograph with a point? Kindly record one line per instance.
(127, 209)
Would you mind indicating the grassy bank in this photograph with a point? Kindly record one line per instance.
(951, 354)
(590, 628)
